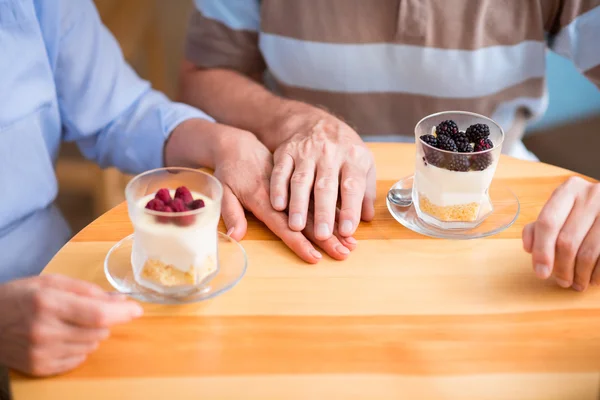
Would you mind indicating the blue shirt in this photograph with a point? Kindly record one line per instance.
(63, 77)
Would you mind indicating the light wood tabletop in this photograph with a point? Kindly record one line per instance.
(405, 316)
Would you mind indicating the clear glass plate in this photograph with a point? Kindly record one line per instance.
(232, 267)
(505, 205)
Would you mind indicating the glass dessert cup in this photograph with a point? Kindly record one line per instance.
(174, 252)
(451, 189)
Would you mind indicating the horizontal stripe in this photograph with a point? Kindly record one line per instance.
(571, 9)
(580, 40)
(552, 341)
(468, 24)
(212, 44)
(388, 68)
(235, 14)
(295, 386)
(397, 113)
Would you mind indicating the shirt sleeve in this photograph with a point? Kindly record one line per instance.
(224, 34)
(575, 34)
(114, 116)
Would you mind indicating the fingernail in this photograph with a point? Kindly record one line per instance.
(278, 202)
(296, 220)
(138, 311)
(350, 240)
(578, 287)
(316, 254)
(342, 249)
(323, 231)
(346, 227)
(230, 231)
(563, 283)
(542, 271)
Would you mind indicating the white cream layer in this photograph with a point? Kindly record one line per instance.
(183, 247)
(447, 188)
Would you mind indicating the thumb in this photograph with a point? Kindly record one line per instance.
(368, 206)
(233, 214)
(528, 237)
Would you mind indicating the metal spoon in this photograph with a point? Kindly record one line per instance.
(400, 197)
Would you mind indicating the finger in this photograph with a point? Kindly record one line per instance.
(233, 214)
(368, 206)
(595, 280)
(587, 258)
(569, 240)
(326, 193)
(333, 246)
(89, 312)
(548, 225)
(69, 350)
(528, 237)
(352, 190)
(300, 188)
(277, 222)
(280, 180)
(58, 331)
(76, 286)
(62, 365)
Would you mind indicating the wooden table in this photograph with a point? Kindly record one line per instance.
(404, 317)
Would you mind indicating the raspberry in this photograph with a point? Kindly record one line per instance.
(448, 128)
(477, 132)
(483, 144)
(445, 143)
(458, 163)
(164, 219)
(178, 205)
(184, 194)
(163, 195)
(196, 204)
(155, 205)
(462, 143)
(430, 140)
(185, 220)
(479, 162)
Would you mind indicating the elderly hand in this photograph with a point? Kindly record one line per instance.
(243, 165)
(565, 239)
(320, 149)
(49, 324)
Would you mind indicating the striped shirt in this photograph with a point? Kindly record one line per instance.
(382, 65)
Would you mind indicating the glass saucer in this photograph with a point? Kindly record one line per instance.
(505, 205)
(232, 267)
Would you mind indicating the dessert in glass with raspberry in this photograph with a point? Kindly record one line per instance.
(175, 213)
(457, 155)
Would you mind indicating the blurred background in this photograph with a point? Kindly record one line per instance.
(152, 33)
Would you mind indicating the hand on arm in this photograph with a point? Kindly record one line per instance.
(565, 239)
(312, 149)
(49, 324)
(243, 165)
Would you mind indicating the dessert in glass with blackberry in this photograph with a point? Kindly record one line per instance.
(457, 155)
(175, 214)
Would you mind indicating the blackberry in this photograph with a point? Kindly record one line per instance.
(483, 144)
(445, 143)
(430, 140)
(458, 163)
(462, 143)
(479, 162)
(448, 128)
(477, 132)
(433, 157)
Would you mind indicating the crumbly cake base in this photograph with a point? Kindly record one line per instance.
(167, 275)
(456, 213)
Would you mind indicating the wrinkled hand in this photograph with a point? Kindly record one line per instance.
(244, 167)
(323, 150)
(565, 239)
(49, 324)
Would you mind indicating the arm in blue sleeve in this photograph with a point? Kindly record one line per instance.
(114, 116)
